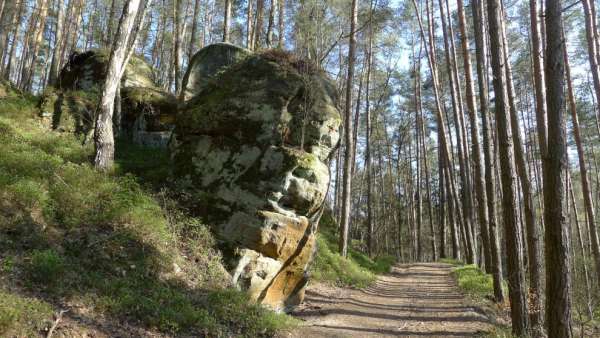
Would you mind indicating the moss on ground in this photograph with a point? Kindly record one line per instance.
(71, 237)
(357, 270)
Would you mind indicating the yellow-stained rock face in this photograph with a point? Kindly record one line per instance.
(252, 146)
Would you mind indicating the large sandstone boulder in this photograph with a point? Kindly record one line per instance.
(252, 148)
(147, 113)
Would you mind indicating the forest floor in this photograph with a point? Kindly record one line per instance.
(414, 300)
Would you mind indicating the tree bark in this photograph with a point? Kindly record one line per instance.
(533, 229)
(475, 142)
(347, 179)
(280, 22)
(558, 275)
(226, 19)
(193, 33)
(514, 241)
(260, 7)
(58, 37)
(119, 57)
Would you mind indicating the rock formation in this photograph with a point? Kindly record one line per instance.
(252, 146)
(148, 113)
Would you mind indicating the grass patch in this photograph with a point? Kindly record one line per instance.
(473, 281)
(22, 316)
(357, 270)
(74, 237)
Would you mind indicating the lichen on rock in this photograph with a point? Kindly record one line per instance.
(254, 143)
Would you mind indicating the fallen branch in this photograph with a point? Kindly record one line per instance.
(58, 318)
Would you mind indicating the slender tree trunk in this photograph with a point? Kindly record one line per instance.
(193, 33)
(250, 26)
(226, 19)
(442, 206)
(280, 19)
(533, 230)
(58, 36)
(558, 274)
(347, 179)
(260, 7)
(587, 194)
(271, 24)
(370, 225)
(516, 278)
(460, 136)
(119, 57)
(445, 149)
(177, 4)
(538, 76)
(475, 142)
(586, 274)
(583, 171)
(110, 23)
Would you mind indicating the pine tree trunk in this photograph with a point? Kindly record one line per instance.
(558, 278)
(370, 225)
(595, 70)
(280, 20)
(192, 45)
(177, 44)
(271, 24)
(226, 19)
(475, 142)
(347, 179)
(260, 8)
(514, 241)
(533, 229)
(58, 37)
(460, 137)
(250, 26)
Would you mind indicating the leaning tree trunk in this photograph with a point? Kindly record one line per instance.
(558, 277)
(104, 137)
(514, 241)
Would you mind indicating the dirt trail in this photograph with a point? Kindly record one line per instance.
(414, 300)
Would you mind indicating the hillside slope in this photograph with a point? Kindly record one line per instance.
(115, 258)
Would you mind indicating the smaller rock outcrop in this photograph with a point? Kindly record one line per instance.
(207, 63)
(252, 148)
(147, 113)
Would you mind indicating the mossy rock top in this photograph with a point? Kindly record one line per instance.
(208, 62)
(88, 69)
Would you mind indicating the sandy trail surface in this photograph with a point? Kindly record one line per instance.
(414, 300)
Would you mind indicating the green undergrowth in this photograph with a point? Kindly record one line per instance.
(73, 238)
(471, 279)
(357, 270)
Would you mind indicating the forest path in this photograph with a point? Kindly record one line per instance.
(414, 300)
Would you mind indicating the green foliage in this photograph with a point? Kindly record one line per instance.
(70, 233)
(46, 266)
(358, 270)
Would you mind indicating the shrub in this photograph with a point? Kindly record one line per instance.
(46, 266)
